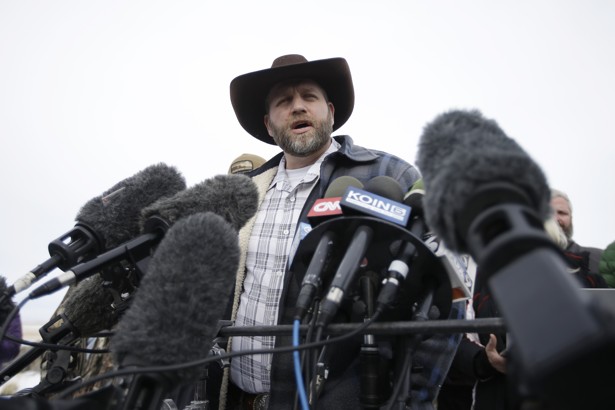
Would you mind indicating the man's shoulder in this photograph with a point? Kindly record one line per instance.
(367, 163)
(361, 153)
(575, 247)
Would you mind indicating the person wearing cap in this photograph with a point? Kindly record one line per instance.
(297, 104)
(245, 163)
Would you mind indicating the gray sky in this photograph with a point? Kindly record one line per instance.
(92, 92)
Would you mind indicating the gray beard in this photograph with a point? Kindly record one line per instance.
(305, 144)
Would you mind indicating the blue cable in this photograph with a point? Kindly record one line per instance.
(297, 362)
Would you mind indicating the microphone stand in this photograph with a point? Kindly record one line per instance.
(369, 356)
(51, 333)
(402, 387)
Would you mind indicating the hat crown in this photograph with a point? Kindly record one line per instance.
(249, 91)
(288, 59)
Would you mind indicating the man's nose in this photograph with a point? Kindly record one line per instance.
(298, 104)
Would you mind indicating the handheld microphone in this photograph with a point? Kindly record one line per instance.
(367, 203)
(324, 208)
(400, 267)
(106, 221)
(381, 199)
(174, 316)
(486, 196)
(234, 197)
(328, 206)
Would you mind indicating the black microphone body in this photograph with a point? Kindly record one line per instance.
(232, 196)
(174, 316)
(400, 267)
(107, 220)
(322, 210)
(487, 197)
(361, 202)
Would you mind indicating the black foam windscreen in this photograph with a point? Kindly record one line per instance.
(114, 215)
(234, 197)
(462, 153)
(176, 309)
(88, 307)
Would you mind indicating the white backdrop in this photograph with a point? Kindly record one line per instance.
(91, 92)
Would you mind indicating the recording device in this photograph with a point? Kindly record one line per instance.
(487, 197)
(174, 316)
(106, 221)
(357, 200)
(322, 209)
(328, 206)
(400, 267)
(232, 196)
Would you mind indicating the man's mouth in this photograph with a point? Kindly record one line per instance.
(301, 125)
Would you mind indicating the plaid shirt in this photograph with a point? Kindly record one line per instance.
(270, 244)
(433, 356)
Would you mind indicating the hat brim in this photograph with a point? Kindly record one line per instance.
(248, 92)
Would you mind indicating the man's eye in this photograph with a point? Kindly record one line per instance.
(282, 101)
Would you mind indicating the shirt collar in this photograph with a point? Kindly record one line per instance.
(312, 173)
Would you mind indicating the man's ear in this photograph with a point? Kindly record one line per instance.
(266, 121)
(332, 109)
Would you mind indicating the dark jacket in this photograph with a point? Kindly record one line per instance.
(492, 390)
(433, 355)
(9, 349)
(594, 254)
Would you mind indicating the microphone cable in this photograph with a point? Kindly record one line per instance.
(175, 367)
(422, 314)
(52, 346)
(306, 355)
(297, 365)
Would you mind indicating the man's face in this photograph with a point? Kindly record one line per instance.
(563, 215)
(300, 120)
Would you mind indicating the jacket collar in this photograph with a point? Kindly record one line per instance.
(347, 149)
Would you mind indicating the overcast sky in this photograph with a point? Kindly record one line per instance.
(92, 92)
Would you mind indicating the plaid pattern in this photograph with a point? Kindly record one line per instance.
(270, 244)
(432, 357)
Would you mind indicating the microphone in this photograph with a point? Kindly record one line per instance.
(381, 199)
(487, 197)
(328, 206)
(469, 164)
(106, 220)
(89, 307)
(457, 267)
(361, 201)
(174, 316)
(322, 209)
(234, 197)
(400, 267)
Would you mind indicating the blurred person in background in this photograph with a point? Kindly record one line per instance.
(562, 207)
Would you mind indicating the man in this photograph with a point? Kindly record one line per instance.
(296, 105)
(562, 208)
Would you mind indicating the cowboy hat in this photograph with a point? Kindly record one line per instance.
(249, 91)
